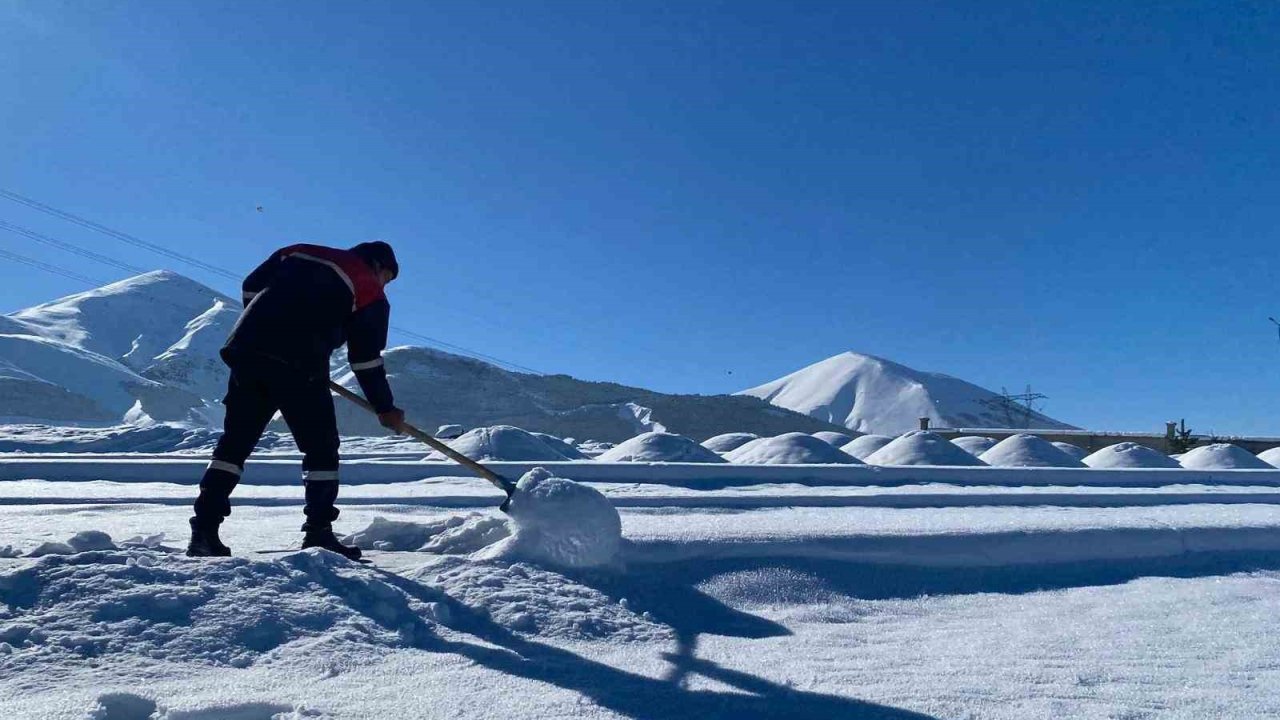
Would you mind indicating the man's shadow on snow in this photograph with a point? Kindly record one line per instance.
(680, 605)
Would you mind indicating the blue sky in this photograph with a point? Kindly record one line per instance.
(702, 196)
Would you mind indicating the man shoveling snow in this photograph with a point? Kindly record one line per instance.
(303, 303)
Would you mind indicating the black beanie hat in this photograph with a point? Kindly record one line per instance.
(378, 253)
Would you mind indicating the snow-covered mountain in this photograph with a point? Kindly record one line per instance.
(147, 348)
(871, 394)
(89, 357)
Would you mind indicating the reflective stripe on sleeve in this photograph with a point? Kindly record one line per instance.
(225, 466)
(320, 475)
(367, 365)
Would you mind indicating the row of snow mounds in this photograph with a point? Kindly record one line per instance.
(790, 449)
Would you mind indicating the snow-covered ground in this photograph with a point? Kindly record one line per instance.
(835, 591)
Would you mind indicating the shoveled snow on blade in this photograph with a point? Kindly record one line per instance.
(559, 522)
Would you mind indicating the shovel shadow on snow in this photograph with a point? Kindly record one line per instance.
(690, 613)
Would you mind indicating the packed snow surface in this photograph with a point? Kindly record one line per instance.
(1025, 450)
(975, 445)
(1129, 455)
(1271, 457)
(866, 445)
(790, 449)
(1074, 451)
(836, 439)
(728, 442)
(559, 523)
(660, 447)
(921, 447)
(1222, 456)
(503, 442)
(871, 394)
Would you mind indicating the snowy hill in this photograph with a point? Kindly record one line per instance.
(436, 388)
(870, 394)
(91, 357)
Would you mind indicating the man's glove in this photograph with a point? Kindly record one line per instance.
(392, 419)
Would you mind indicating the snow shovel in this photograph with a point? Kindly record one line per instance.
(498, 481)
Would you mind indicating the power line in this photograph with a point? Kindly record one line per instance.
(122, 236)
(47, 268)
(189, 260)
(74, 249)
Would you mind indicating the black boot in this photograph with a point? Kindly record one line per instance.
(324, 538)
(204, 540)
(320, 512)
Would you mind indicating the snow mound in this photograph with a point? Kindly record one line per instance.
(865, 446)
(454, 535)
(837, 439)
(921, 447)
(1129, 455)
(660, 447)
(564, 447)
(728, 442)
(975, 445)
(1222, 456)
(1023, 450)
(502, 442)
(225, 611)
(1271, 457)
(560, 523)
(790, 449)
(1074, 451)
(535, 601)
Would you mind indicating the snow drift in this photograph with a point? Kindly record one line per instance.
(502, 442)
(864, 446)
(660, 447)
(837, 439)
(728, 442)
(560, 523)
(975, 445)
(921, 447)
(1025, 450)
(1271, 457)
(1222, 456)
(1129, 455)
(789, 449)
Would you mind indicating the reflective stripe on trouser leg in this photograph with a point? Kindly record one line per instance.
(214, 501)
(319, 476)
(224, 466)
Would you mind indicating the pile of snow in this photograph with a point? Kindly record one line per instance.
(594, 448)
(564, 447)
(1129, 455)
(837, 439)
(870, 394)
(449, 431)
(865, 446)
(1271, 457)
(454, 535)
(921, 447)
(560, 523)
(728, 442)
(1023, 450)
(975, 445)
(1074, 451)
(83, 541)
(230, 611)
(660, 447)
(502, 442)
(790, 449)
(1222, 456)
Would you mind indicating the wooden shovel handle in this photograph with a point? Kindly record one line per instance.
(500, 482)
